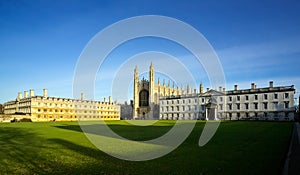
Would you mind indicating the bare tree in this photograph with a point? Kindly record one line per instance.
(1, 109)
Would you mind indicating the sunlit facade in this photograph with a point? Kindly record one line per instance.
(269, 103)
(44, 108)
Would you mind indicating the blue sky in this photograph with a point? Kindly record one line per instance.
(40, 41)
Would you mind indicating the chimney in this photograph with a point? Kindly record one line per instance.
(224, 89)
(45, 93)
(220, 88)
(252, 86)
(188, 89)
(195, 91)
(207, 89)
(82, 96)
(25, 94)
(104, 100)
(19, 95)
(271, 84)
(235, 87)
(31, 92)
(109, 99)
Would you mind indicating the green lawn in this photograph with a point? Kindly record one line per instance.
(239, 147)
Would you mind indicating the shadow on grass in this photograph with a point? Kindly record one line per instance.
(20, 152)
(138, 133)
(25, 152)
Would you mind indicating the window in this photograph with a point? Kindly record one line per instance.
(275, 96)
(221, 107)
(265, 105)
(221, 99)
(255, 105)
(238, 106)
(286, 95)
(177, 108)
(246, 106)
(238, 115)
(230, 98)
(247, 115)
(275, 105)
(202, 100)
(202, 107)
(183, 108)
(238, 98)
(247, 97)
(255, 97)
(266, 96)
(229, 106)
(286, 104)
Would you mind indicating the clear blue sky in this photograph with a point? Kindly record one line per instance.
(40, 40)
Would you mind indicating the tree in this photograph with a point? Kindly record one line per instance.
(1, 109)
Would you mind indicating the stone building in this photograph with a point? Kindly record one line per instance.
(146, 94)
(126, 110)
(45, 108)
(269, 103)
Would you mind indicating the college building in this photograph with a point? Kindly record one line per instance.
(162, 101)
(45, 108)
(147, 93)
(268, 103)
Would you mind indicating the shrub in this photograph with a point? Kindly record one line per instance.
(25, 120)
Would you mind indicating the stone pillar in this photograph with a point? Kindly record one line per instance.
(82, 96)
(235, 87)
(19, 95)
(25, 94)
(31, 92)
(45, 92)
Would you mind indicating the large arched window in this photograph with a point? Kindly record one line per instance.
(144, 98)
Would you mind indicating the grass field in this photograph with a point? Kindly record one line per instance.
(238, 147)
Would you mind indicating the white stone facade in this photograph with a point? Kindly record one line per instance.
(270, 103)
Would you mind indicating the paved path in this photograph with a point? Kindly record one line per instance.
(292, 164)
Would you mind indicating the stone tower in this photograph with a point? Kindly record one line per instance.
(146, 95)
(136, 93)
(151, 84)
